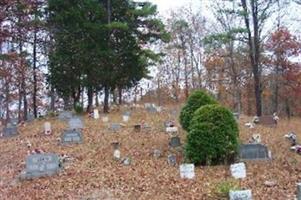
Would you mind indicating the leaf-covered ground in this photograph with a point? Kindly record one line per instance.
(94, 174)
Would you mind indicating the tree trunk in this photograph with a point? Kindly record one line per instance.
(120, 95)
(106, 100)
(96, 99)
(35, 88)
(52, 99)
(90, 99)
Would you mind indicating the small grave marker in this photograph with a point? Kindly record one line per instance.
(39, 165)
(175, 142)
(71, 137)
(47, 128)
(172, 160)
(96, 114)
(238, 170)
(171, 130)
(76, 123)
(157, 153)
(254, 152)
(187, 171)
(240, 195)
(125, 118)
(116, 154)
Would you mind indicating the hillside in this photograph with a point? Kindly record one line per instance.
(92, 173)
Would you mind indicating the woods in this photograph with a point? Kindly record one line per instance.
(57, 54)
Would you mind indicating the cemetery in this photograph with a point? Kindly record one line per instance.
(129, 164)
(150, 100)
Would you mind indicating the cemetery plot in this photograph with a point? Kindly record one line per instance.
(40, 165)
(253, 152)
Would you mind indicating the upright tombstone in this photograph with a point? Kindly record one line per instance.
(240, 195)
(238, 170)
(40, 165)
(10, 131)
(72, 137)
(47, 128)
(254, 152)
(187, 171)
(116, 152)
(175, 142)
(267, 121)
(96, 114)
(125, 118)
(76, 123)
(65, 115)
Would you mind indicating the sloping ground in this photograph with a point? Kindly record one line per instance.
(93, 174)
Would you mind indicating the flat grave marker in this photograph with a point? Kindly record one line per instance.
(65, 115)
(175, 142)
(39, 165)
(267, 121)
(72, 137)
(172, 160)
(238, 170)
(254, 152)
(187, 171)
(115, 127)
(240, 195)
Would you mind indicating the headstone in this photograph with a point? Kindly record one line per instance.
(157, 153)
(240, 195)
(172, 160)
(105, 119)
(96, 114)
(125, 118)
(254, 152)
(159, 109)
(267, 121)
(47, 128)
(175, 142)
(76, 123)
(72, 137)
(171, 130)
(116, 154)
(38, 165)
(238, 170)
(115, 127)
(65, 116)
(10, 131)
(187, 171)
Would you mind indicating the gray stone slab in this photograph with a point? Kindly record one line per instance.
(127, 113)
(72, 137)
(76, 123)
(40, 165)
(253, 152)
(10, 131)
(240, 195)
(65, 115)
(175, 142)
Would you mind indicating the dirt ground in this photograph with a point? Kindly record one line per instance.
(94, 174)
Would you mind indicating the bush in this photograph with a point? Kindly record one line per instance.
(196, 100)
(223, 188)
(212, 137)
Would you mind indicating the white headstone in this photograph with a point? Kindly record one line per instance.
(238, 170)
(125, 118)
(47, 128)
(96, 114)
(105, 119)
(171, 129)
(187, 171)
(116, 154)
(240, 195)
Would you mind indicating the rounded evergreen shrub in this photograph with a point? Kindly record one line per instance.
(196, 100)
(213, 136)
